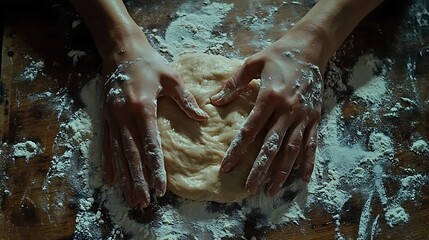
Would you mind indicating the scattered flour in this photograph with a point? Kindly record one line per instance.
(75, 55)
(420, 147)
(27, 149)
(173, 218)
(421, 14)
(364, 223)
(32, 70)
(396, 215)
(72, 141)
(193, 30)
(343, 168)
(345, 165)
(76, 23)
(368, 86)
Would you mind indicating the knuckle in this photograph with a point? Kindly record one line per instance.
(276, 94)
(131, 154)
(248, 131)
(272, 144)
(250, 60)
(150, 145)
(282, 175)
(312, 146)
(145, 106)
(258, 169)
(255, 59)
(231, 85)
(139, 181)
(153, 151)
(293, 147)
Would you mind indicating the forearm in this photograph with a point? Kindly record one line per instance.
(108, 22)
(329, 23)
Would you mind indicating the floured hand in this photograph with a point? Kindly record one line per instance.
(286, 114)
(136, 76)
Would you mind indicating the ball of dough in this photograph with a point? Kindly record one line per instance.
(194, 150)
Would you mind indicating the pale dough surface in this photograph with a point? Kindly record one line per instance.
(193, 150)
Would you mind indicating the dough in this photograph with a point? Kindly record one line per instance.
(194, 150)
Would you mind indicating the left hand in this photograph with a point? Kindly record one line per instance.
(287, 112)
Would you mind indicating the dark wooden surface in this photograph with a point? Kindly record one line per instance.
(44, 32)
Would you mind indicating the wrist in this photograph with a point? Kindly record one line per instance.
(312, 42)
(328, 23)
(117, 39)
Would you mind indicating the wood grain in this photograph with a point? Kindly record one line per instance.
(44, 32)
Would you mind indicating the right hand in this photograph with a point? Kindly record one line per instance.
(132, 145)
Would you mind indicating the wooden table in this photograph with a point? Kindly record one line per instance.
(34, 32)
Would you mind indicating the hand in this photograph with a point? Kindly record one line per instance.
(137, 76)
(287, 112)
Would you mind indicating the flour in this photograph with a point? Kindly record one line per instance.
(396, 215)
(4, 191)
(258, 20)
(193, 30)
(27, 149)
(71, 143)
(421, 14)
(346, 165)
(420, 147)
(32, 70)
(368, 87)
(75, 55)
(343, 167)
(173, 218)
(76, 23)
(364, 223)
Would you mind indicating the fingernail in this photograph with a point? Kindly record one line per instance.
(160, 192)
(218, 96)
(201, 112)
(306, 177)
(143, 205)
(251, 189)
(252, 186)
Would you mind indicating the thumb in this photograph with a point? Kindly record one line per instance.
(187, 103)
(250, 70)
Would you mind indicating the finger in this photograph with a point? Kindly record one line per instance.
(250, 70)
(310, 146)
(263, 162)
(255, 122)
(286, 158)
(185, 99)
(132, 155)
(153, 156)
(122, 167)
(108, 163)
(269, 150)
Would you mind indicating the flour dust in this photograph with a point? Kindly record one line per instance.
(351, 158)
